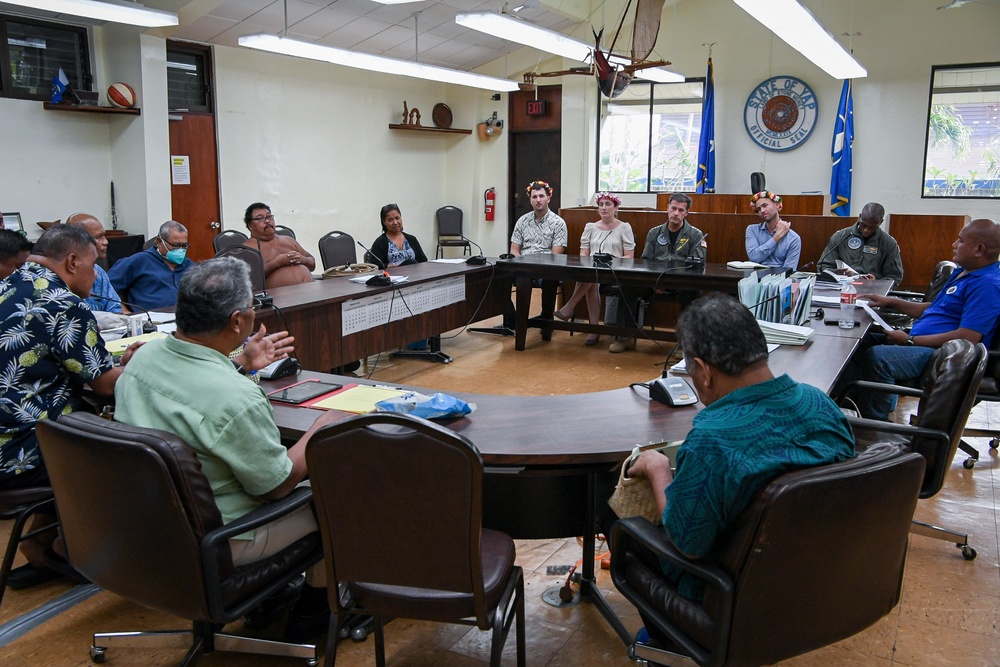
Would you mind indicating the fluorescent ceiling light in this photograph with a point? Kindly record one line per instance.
(522, 32)
(798, 28)
(129, 13)
(365, 61)
(396, 2)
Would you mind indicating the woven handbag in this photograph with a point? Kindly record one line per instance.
(634, 497)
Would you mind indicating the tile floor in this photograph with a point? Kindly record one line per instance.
(948, 614)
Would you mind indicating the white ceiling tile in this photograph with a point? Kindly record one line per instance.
(238, 10)
(358, 7)
(322, 23)
(383, 41)
(356, 31)
(205, 29)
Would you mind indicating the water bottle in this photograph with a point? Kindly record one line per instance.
(848, 297)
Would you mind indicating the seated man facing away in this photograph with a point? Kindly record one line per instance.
(50, 349)
(754, 428)
(285, 261)
(186, 384)
(772, 243)
(103, 296)
(865, 247)
(14, 251)
(149, 279)
(968, 306)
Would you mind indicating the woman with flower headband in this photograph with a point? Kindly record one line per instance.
(395, 247)
(607, 235)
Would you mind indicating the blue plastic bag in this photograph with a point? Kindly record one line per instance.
(436, 406)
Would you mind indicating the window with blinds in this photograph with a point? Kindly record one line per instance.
(33, 51)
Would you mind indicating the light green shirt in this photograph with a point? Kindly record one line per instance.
(195, 392)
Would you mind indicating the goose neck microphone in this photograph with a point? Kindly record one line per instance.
(378, 280)
(819, 264)
(600, 257)
(476, 260)
(148, 326)
(264, 300)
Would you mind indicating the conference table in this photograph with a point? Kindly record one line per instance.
(336, 321)
(623, 272)
(549, 476)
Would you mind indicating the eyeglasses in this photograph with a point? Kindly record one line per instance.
(263, 218)
(183, 246)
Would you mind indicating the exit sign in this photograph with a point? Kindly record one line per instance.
(536, 107)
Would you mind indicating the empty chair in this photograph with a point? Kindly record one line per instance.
(450, 235)
(989, 391)
(337, 249)
(284, 231)
(20, 505)
(817, 556)
(228, 238)
(399, 501)
(253, 259)
(140, 520)
(947, 391)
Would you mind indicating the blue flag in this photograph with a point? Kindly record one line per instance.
(59, 83)
(705, 177)
(843, 146)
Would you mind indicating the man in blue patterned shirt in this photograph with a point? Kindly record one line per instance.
(754, 428)
(103, 295)
(49, 348)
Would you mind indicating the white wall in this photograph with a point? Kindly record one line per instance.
(899, 43)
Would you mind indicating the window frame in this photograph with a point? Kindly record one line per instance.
(205, 52)
(86, 74)
(927, 133)
(649, 129)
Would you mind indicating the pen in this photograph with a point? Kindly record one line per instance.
(385, 386)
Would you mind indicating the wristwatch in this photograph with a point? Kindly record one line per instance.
(243, 371)
(909, 340)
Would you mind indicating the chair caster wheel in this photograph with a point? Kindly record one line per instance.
(97, 654)
(359, 634)
(968, 553)
(994, 443)
(969, 463)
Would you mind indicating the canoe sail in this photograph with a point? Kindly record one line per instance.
(646, 28)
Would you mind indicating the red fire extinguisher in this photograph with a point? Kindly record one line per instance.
(491, 201)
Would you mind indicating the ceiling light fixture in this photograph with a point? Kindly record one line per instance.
(798, 28)
(372, 63)
(520, 31)
(129, 13)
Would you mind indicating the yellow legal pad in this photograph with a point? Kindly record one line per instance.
(359, 398)
(117, 347)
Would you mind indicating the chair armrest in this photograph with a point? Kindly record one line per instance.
(905, 294)
(263, 515)
(881, 387)
(899, 429)
(656, 540)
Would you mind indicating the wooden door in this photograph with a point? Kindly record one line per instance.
(196, 205)
(535, 149)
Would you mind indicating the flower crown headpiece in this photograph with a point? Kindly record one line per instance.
(539, 185)
(764, 194)
(615, 199)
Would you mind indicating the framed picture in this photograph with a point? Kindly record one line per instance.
(12, 221)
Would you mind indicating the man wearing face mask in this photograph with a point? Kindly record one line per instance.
(865, 247)
(149, 279)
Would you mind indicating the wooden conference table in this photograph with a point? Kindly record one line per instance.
(336, 321)
(547, 476)
(624, 272)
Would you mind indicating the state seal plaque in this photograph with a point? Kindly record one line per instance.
(780, 113)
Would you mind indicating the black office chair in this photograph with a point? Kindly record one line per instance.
(947, 390)
(253, 259)
(989, 392)
(226, 239)
(20, 505)
(399, 501)
(284, 231)
(942, 272)
(337, 249)
(817, 556)
(139, 519)
(450, 235)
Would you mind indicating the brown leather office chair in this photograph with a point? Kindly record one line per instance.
(399, 501)
(20, 505)
(228, 238)
(816, 557)
(139, 519)
(337, 249)
(947, 390)
(989, 392)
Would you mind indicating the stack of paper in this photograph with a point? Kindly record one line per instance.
(745, 266)
(680, 368)
(785, 334)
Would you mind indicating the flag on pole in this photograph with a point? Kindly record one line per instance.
(59, 83)
(705, 177)
(843, 145)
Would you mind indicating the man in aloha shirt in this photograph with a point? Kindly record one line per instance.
(49, 348)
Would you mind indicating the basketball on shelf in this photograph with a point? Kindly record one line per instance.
(121, 95)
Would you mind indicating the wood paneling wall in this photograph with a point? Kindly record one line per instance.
(924, 240)
(722, 203)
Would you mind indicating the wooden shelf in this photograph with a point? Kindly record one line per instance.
(421, 128)
(82, 109)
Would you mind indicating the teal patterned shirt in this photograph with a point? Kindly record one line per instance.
(49, 347)
(737, 445)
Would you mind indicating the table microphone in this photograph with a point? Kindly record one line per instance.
(378, 280)
(830, 251)
(148, 326)
(476, 260)
(603, 258)
(263, 300)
